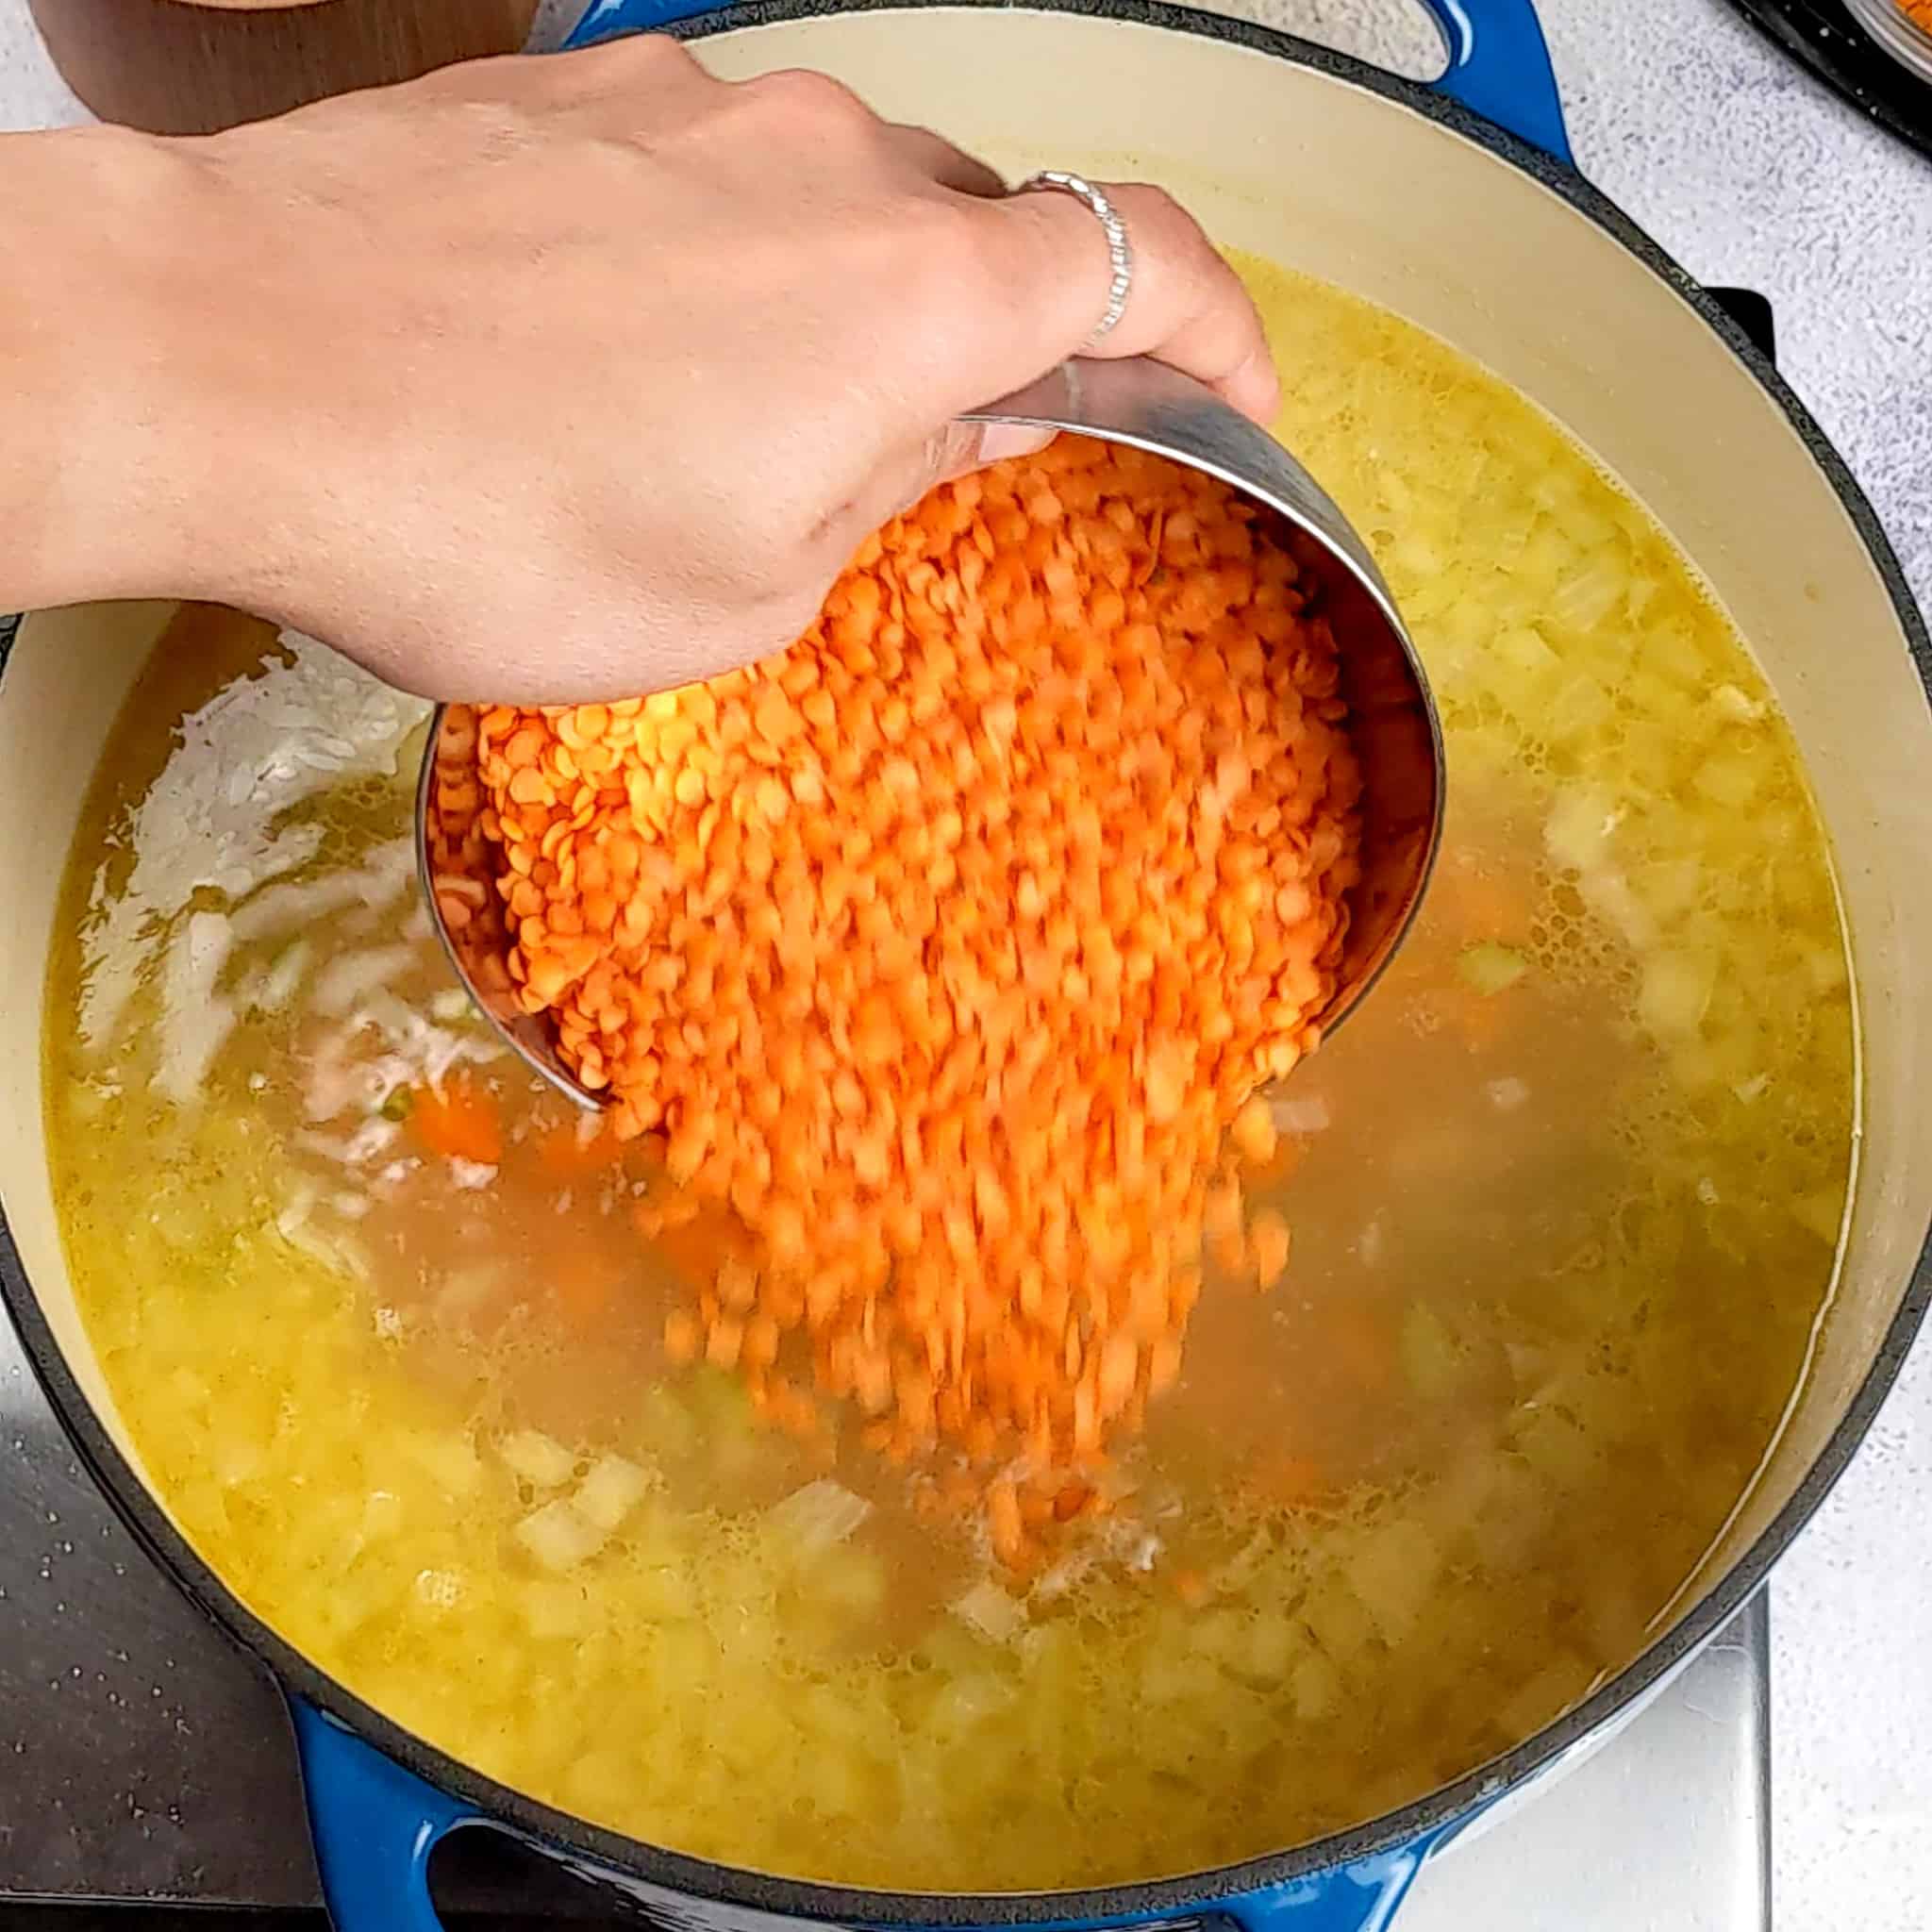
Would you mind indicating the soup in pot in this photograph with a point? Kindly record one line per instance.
(1566, 1196)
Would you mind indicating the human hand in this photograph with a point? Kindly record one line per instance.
(575, 377)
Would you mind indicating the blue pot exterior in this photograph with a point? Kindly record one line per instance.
(1499, 65)
(377, 1825)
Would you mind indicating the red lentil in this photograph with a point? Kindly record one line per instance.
(949, 951)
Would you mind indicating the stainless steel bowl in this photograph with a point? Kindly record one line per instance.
(1394, 726)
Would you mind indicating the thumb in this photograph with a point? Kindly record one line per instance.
(902, 480)
(958, 450)
(961, 448)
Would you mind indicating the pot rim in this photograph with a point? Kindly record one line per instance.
(1424, 1819)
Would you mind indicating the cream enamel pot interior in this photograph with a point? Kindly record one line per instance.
(1415, 202)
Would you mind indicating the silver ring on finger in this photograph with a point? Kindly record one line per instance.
(1120, 250)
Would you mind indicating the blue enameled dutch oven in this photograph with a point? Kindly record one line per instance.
(1456, 206)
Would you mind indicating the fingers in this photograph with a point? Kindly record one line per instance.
(1186, 307)
(1047, 270)
(931, 155)
(961, 448)
(956, 450)
(1036, 284)
(637, 75)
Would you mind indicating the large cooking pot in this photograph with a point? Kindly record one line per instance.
(1420, 200)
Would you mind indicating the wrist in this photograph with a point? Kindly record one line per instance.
(111, 483)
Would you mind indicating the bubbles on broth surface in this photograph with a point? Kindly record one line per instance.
(1564, 1195)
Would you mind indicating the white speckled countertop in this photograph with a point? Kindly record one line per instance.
(1750, 174)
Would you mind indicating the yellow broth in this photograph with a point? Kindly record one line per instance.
(1566, 1196)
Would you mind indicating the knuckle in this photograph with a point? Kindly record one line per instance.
(1159, 224)
(614, 70)
(620, 82)
(1152, 202)
(815, 101)
(637, 55)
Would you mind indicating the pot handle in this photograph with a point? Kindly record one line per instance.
(1361, 1897)
(375, 1825)
(1499, 65)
